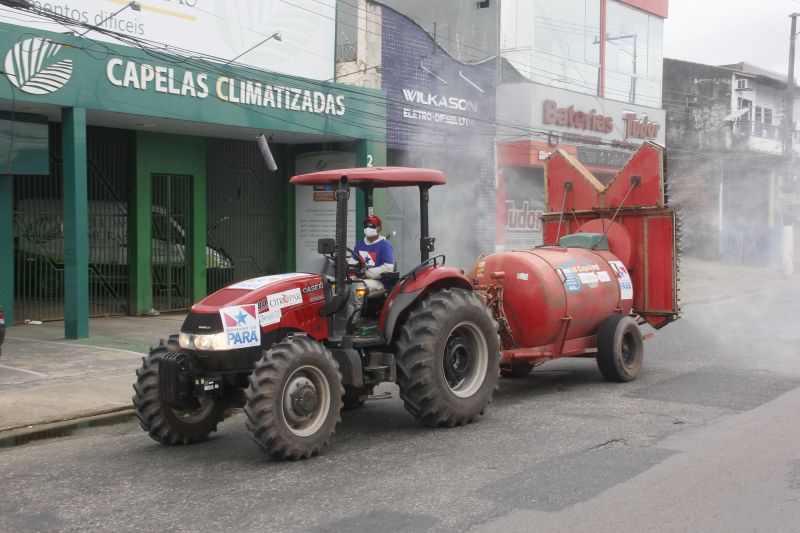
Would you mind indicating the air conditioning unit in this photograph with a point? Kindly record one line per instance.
(743, 84)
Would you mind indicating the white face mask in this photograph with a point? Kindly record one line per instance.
(370, 232)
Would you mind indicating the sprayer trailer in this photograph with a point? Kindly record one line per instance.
(295, 349)
(608, 266)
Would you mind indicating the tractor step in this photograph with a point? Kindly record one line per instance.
(363, 342)
(381, 368)
(382, 396)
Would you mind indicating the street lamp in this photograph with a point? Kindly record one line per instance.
(276, 36)
(133, 4)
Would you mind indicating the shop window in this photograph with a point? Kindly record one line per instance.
(566, 44)
(633, 55)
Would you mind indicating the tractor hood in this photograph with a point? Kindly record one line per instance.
(268, 292)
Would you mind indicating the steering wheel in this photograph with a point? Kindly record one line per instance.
(362, 264)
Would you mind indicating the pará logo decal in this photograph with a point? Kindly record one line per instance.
(241, 325)
(32, 66)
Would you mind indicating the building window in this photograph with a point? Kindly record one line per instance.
(634, 57)
(768, 116)
(566, 47)
(346, 31)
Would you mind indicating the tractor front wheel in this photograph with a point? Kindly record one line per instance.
(620, 349)
(294, 398)
(448, 354)
(164, 423)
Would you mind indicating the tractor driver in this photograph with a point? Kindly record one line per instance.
(375, 253)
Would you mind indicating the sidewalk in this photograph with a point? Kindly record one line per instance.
(50, 386)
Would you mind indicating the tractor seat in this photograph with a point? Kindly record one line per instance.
(389, 280)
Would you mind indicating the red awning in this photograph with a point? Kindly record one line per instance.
(376, 176)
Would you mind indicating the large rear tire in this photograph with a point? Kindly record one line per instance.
(294, 399)
(448, 354)
(163, 422)
(620, 349)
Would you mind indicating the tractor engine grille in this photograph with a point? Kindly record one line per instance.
(202, 323)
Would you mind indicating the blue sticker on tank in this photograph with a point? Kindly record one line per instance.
(571, 281)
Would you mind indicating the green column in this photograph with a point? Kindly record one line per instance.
(197, 250)
(76, 224)
(7, 246)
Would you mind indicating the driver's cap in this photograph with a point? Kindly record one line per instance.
(373, 219)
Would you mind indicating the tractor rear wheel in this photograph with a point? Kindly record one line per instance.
(164, 423)
(294, 398)
(448, 354)
(620, 349)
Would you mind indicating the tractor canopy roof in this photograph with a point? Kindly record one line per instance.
(374, 176)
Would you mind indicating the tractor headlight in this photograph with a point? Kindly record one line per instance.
(216, 341)
(185, 341)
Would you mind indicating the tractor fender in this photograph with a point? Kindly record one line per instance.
(407, 293)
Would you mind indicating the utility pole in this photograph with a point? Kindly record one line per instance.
(787, 230)
(789, 120)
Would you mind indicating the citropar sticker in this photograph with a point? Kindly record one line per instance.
(284, 299)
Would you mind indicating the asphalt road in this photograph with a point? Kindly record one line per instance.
(705, 440)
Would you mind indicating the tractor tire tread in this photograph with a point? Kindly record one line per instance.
(156, 417)
(262, 419)
(420, 387)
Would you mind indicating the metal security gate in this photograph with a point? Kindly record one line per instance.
(39, 230)
(246, 214)
(110, 166)
(171, 237)
(38, 248)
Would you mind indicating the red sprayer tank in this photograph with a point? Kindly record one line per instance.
(610, 253)
(544, 285)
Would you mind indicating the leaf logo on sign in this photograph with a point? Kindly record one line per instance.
(31, 66)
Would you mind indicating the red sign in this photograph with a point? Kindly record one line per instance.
(656, 7)
(570, 118)
(640, 128)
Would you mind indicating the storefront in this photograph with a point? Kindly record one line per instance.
(600, 133)
(131, 179)
(440, 115)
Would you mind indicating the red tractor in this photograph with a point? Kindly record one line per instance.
(294, 349)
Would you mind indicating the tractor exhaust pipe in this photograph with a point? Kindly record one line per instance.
(342, 196)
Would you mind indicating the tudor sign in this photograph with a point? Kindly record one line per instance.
(640, 128)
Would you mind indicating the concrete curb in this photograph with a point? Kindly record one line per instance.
(63, 428)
